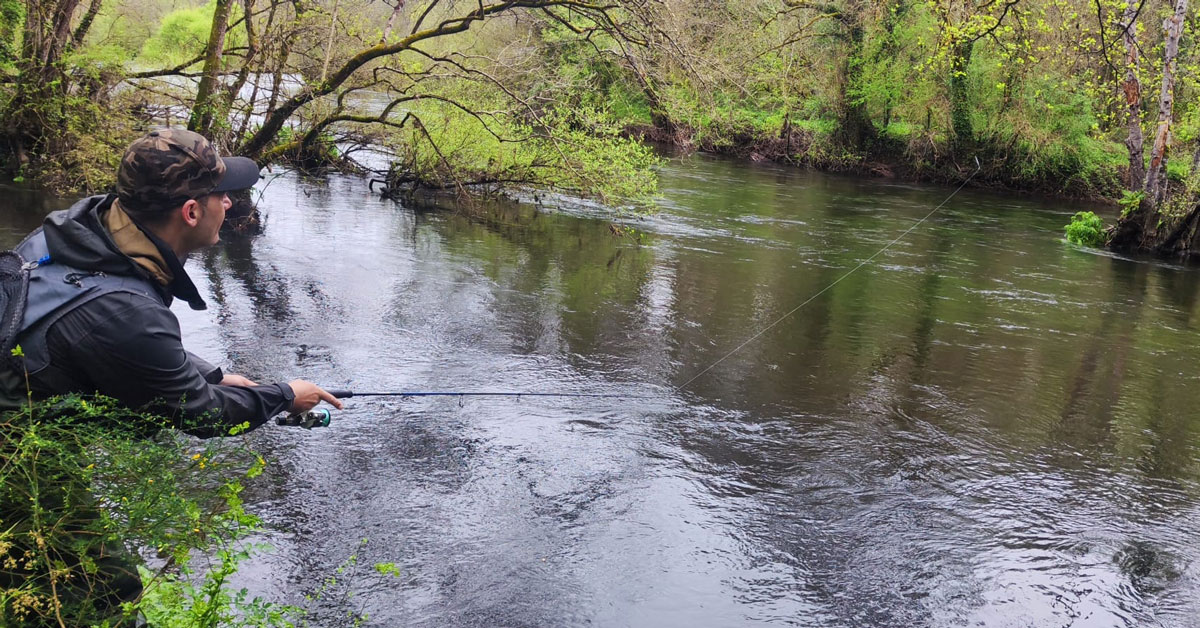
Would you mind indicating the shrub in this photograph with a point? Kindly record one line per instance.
(1086, 229)
(85, 485)
(577, 151)
(1130, 202)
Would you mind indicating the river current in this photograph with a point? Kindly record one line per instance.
(984, 426)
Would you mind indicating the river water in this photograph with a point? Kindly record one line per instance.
(985, 426)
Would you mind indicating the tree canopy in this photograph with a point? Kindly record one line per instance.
(1050, 95)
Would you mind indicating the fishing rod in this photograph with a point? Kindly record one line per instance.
(321, 417)
(346, 394)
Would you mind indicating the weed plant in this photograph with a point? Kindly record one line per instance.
(1086, 229)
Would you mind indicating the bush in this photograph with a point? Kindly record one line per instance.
(1086, 229)
(578, 151)
(1130, 202)
(85, 485)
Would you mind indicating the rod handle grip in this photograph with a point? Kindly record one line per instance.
(341, 394)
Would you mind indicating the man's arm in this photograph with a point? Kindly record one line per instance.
(209, 371)
(129, 347)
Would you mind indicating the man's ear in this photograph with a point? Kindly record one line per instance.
(191, 212)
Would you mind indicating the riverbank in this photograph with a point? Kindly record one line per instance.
(888, 156)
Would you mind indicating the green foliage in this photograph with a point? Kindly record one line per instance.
(84, 485)
(334, 587)
(579, 151)
(121, 34)
(1130, 202)
(626, 105)
(899, 131)
(175, 601)
(1086, 229)
(90, 137)
(184, 33)
(1178, 170)
(12, 14)
(320, 155)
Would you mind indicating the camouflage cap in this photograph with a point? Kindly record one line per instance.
(166, 168)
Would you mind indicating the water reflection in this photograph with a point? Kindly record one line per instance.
(985, 427)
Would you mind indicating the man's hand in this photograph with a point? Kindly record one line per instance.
(237, 380)
(308, 395)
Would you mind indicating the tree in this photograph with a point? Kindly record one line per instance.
(1149, 226)
(345, 78)
(206, 105)
(51, 28)
(1132, 88)
(1156, 174)
(963, 23)
(305, 79)
(851, 17)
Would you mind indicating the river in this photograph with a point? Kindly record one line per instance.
(984, 426)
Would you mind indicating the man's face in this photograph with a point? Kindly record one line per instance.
(208, 229)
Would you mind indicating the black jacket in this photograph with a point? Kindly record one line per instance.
(127, 345)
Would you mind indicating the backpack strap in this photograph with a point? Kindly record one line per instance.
(55, 290)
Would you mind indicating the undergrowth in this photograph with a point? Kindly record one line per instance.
(107, 518)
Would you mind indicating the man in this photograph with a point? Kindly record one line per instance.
(96, 320)
(97, 317)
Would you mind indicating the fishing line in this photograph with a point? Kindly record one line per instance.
(887, 246)
(346, 394)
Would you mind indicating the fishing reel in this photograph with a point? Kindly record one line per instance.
(317, 417)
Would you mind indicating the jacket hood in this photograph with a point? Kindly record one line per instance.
(77, 237)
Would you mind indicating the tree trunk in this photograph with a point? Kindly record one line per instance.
(37, 109)
(1132, 87)
(207, 96)
(1156, 175)
(285, 50)
(960, 107)
(391, 23)
(248, 64)
(332, 30)
(857, 130)
(1146, 228)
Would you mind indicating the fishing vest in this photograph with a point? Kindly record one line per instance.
(54, 291)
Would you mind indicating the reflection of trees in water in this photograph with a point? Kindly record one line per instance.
(22, 211)
(1180, 288)
(269, 292)
(1086, 417)
(1126, 395)
(563, 285)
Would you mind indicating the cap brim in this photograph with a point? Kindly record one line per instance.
(241, 173)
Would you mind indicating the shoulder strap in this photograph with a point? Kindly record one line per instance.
(55, 290)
